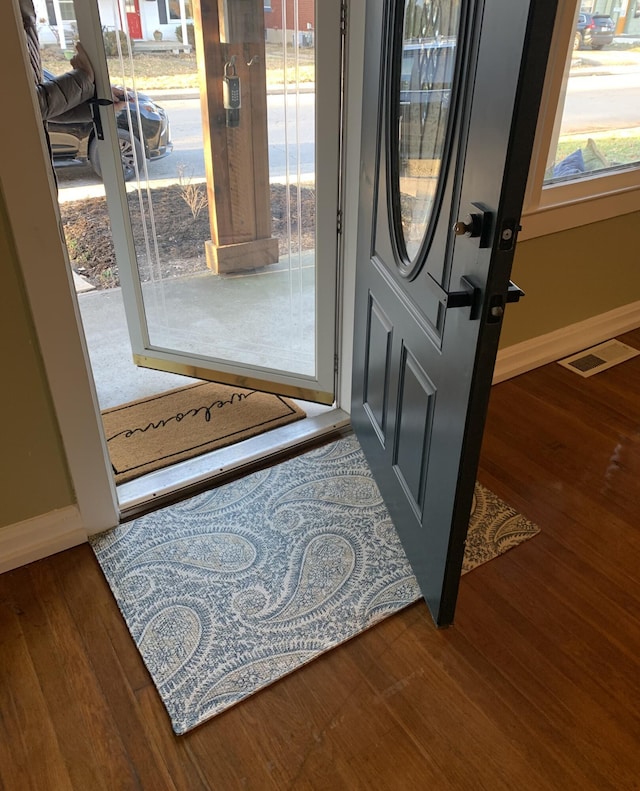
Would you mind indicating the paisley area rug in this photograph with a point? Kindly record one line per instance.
(231, 590)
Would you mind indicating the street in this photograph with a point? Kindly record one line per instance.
(603, 93)
(291, 145)
(602, 101)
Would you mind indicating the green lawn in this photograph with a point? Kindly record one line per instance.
(617, 148)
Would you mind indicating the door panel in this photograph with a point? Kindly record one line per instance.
(447, 137)
(256, 306)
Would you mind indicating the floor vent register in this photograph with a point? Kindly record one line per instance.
(599, 358)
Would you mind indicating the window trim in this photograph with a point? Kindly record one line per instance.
(559, 207)
(173, 19)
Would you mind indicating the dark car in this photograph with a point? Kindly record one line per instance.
(593, 30)
(75, 142)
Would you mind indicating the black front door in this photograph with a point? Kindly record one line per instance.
(451, 98)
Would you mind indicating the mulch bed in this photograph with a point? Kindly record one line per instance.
(180, 236)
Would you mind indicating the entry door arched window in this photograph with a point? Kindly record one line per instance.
(422, 93)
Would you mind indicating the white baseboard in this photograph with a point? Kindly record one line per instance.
(36, 538)
(522, 357)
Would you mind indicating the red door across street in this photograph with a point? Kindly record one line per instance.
(133, 19)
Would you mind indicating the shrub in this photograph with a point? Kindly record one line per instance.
(111, 41)
(191, 36)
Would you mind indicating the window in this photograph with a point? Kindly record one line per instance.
(67, 11)
(586, 163)
(174, 9)
(51, 12)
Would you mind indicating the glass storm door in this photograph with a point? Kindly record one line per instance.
(226, 228)
(449, 116)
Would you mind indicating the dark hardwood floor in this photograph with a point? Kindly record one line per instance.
(535, 687)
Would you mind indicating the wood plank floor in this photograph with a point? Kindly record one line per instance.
(535, 687)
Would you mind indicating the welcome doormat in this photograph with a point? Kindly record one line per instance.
(235, 588)
(155, 432)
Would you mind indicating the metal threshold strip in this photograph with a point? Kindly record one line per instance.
(159, 488)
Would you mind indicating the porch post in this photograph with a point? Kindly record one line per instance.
(236, 157)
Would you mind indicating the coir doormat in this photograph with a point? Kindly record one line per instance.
(155, 432)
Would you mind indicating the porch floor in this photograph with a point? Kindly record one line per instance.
(207, 304)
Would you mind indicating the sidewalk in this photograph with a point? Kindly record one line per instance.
(589, 62)
(171, 94)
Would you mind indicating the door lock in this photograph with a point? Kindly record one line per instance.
(473, 227)
(478, 225)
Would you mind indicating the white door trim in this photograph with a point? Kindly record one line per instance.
(29, 193)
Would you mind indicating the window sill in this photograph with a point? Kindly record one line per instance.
(578, 210)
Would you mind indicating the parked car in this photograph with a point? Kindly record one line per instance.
(593, 30)
(75, 142)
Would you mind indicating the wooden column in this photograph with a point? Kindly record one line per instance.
(236, 158)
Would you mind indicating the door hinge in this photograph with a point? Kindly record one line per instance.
(336, 363)
(343, 17)
(339, 222)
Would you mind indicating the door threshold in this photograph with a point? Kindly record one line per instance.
(186, 478)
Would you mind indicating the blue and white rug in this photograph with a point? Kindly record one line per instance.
(231, 590)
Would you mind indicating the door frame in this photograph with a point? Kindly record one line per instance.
(49, 286)
(50, 289)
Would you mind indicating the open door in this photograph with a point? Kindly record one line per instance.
(260, 311)
(452, 91)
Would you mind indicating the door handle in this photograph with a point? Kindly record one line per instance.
(95, 104)
(467, 297)
(470, 296)
(514, 293)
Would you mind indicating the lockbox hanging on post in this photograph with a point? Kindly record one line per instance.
(231, 93)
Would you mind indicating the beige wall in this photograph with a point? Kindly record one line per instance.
(34, 474)
(571, 276)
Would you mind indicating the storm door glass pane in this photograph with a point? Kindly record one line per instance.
(218, 148)
(429, 41)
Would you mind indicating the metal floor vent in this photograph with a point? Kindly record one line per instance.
(599, 358)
